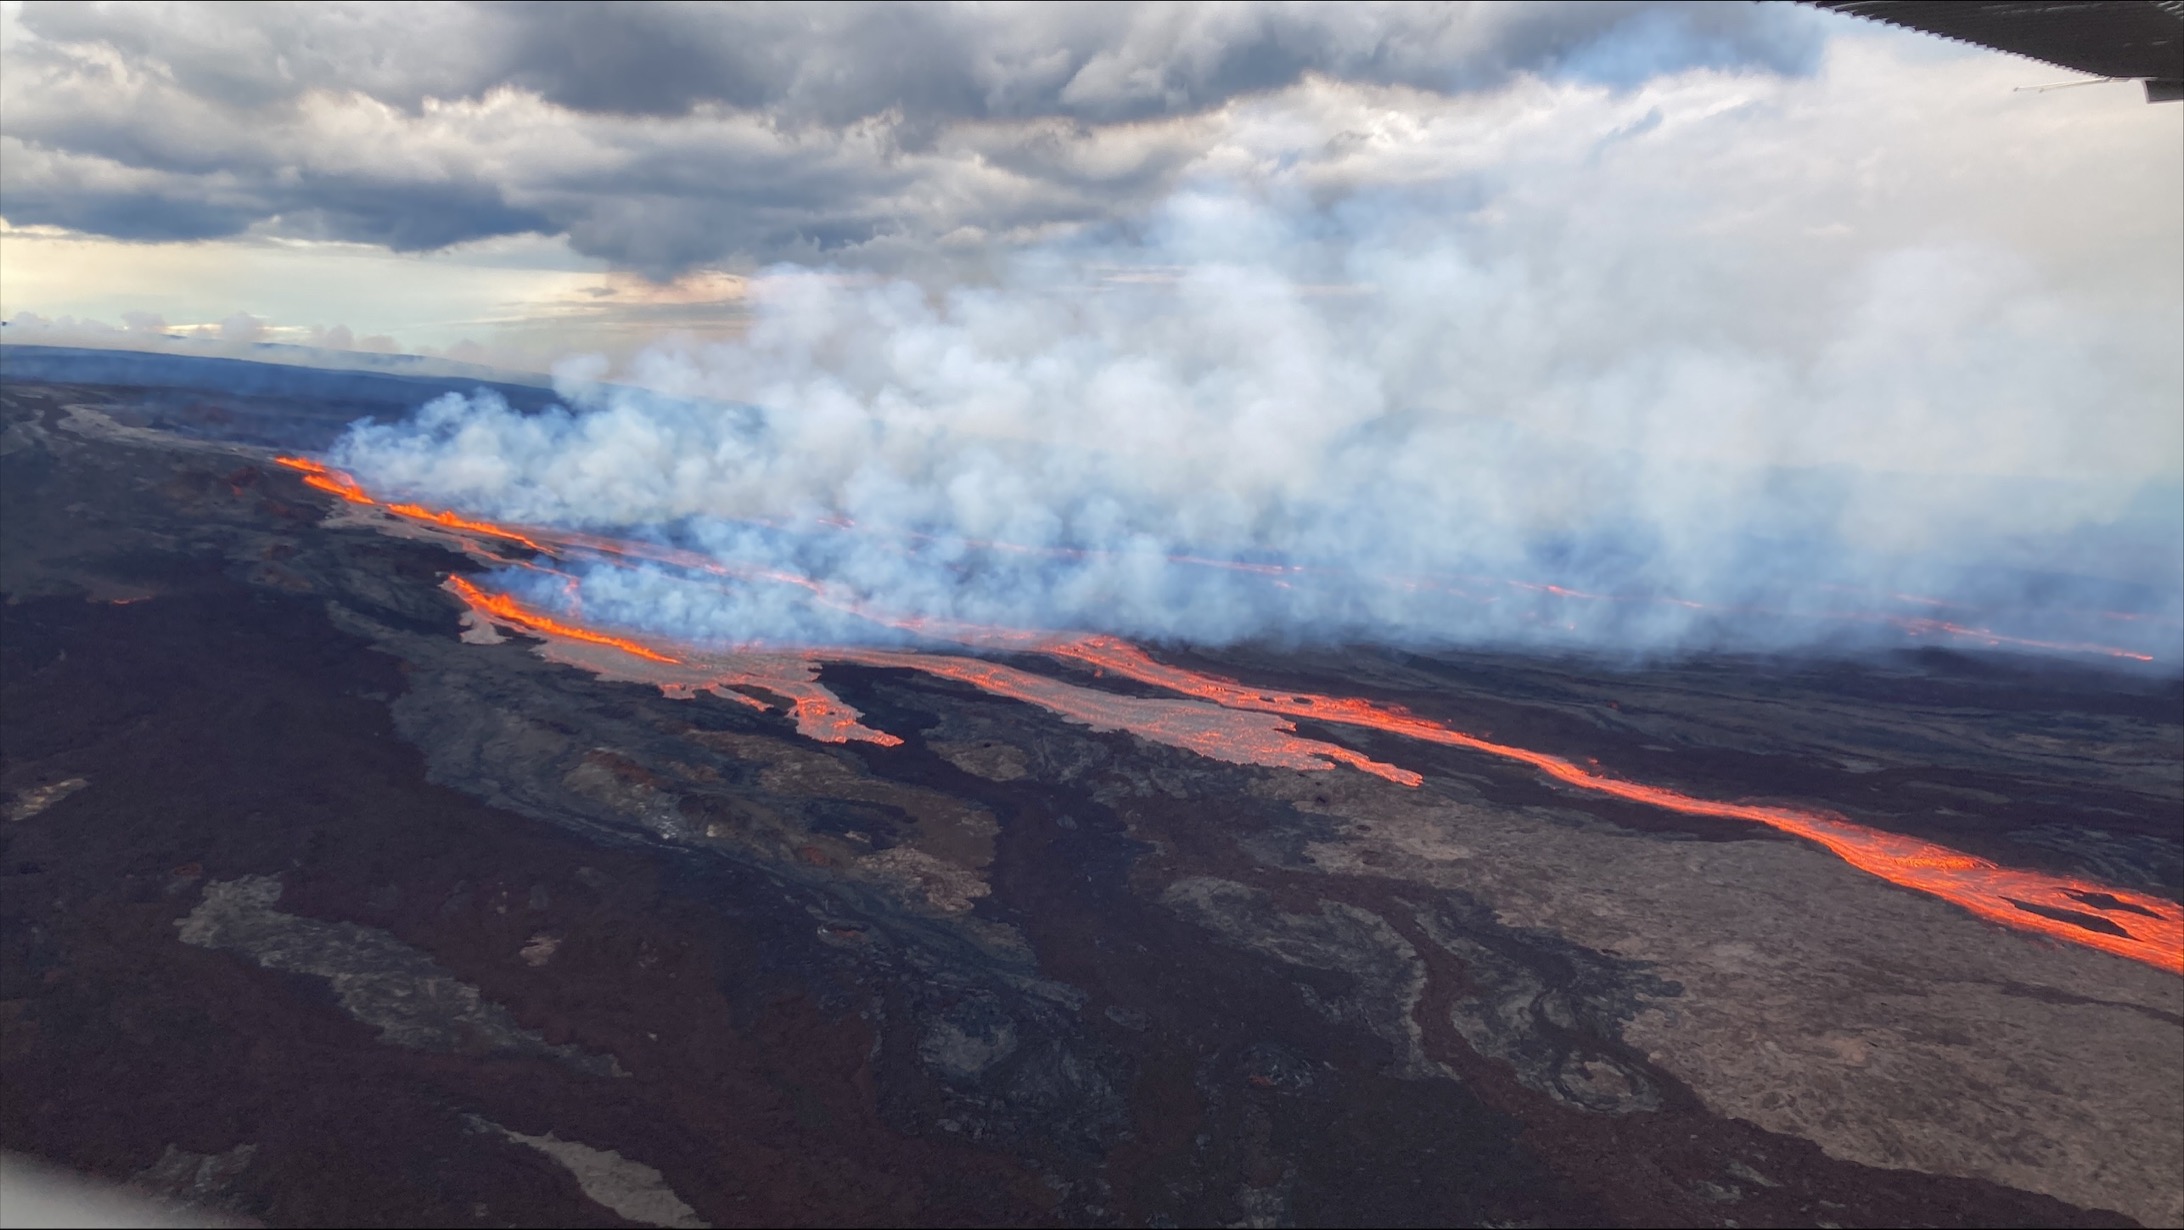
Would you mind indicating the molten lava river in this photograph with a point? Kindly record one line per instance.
(1220, 718)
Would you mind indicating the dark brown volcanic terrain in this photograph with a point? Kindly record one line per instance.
(316, 914)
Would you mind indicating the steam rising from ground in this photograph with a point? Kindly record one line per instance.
(1593, 357)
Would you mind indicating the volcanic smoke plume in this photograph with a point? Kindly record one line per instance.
(1231, 427)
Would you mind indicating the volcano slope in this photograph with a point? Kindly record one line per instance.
(329, 902)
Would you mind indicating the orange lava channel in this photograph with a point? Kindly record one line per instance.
(337, 483)
(1918, 627)
(2151, 930)
(503, 607)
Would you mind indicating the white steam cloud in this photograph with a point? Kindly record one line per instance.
(1646, 351)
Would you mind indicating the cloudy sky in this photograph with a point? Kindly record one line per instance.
(538, 178)
(1427, 284)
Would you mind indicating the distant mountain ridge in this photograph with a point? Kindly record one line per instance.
(256, 378)
(272, 405)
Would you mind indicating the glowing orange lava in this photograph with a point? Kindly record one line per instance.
(1212, 721)
(337, 483)
(2154, 934)
(789, 678)
(1986, 636)
(507, 609)
(818, 711)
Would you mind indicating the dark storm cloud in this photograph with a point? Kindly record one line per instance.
(406, 217)
(1100, 63)
(127, 214)
(663, 136)
(154, 203)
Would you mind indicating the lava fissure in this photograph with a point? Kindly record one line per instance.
(508, 610)
(556, 541)
(1227, 720)
(1989, 890)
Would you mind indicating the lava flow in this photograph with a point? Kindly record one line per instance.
(1214, 731)
(1226, 720)
(1234, 736)
(2000, 894)
(337, 483)
(506, 609)
(1987, 636)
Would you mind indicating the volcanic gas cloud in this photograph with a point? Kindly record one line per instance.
(1245, 423)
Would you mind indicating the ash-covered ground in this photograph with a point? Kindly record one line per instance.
(318, 913)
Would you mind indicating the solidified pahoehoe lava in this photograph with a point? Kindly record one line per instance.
(1227, 720)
